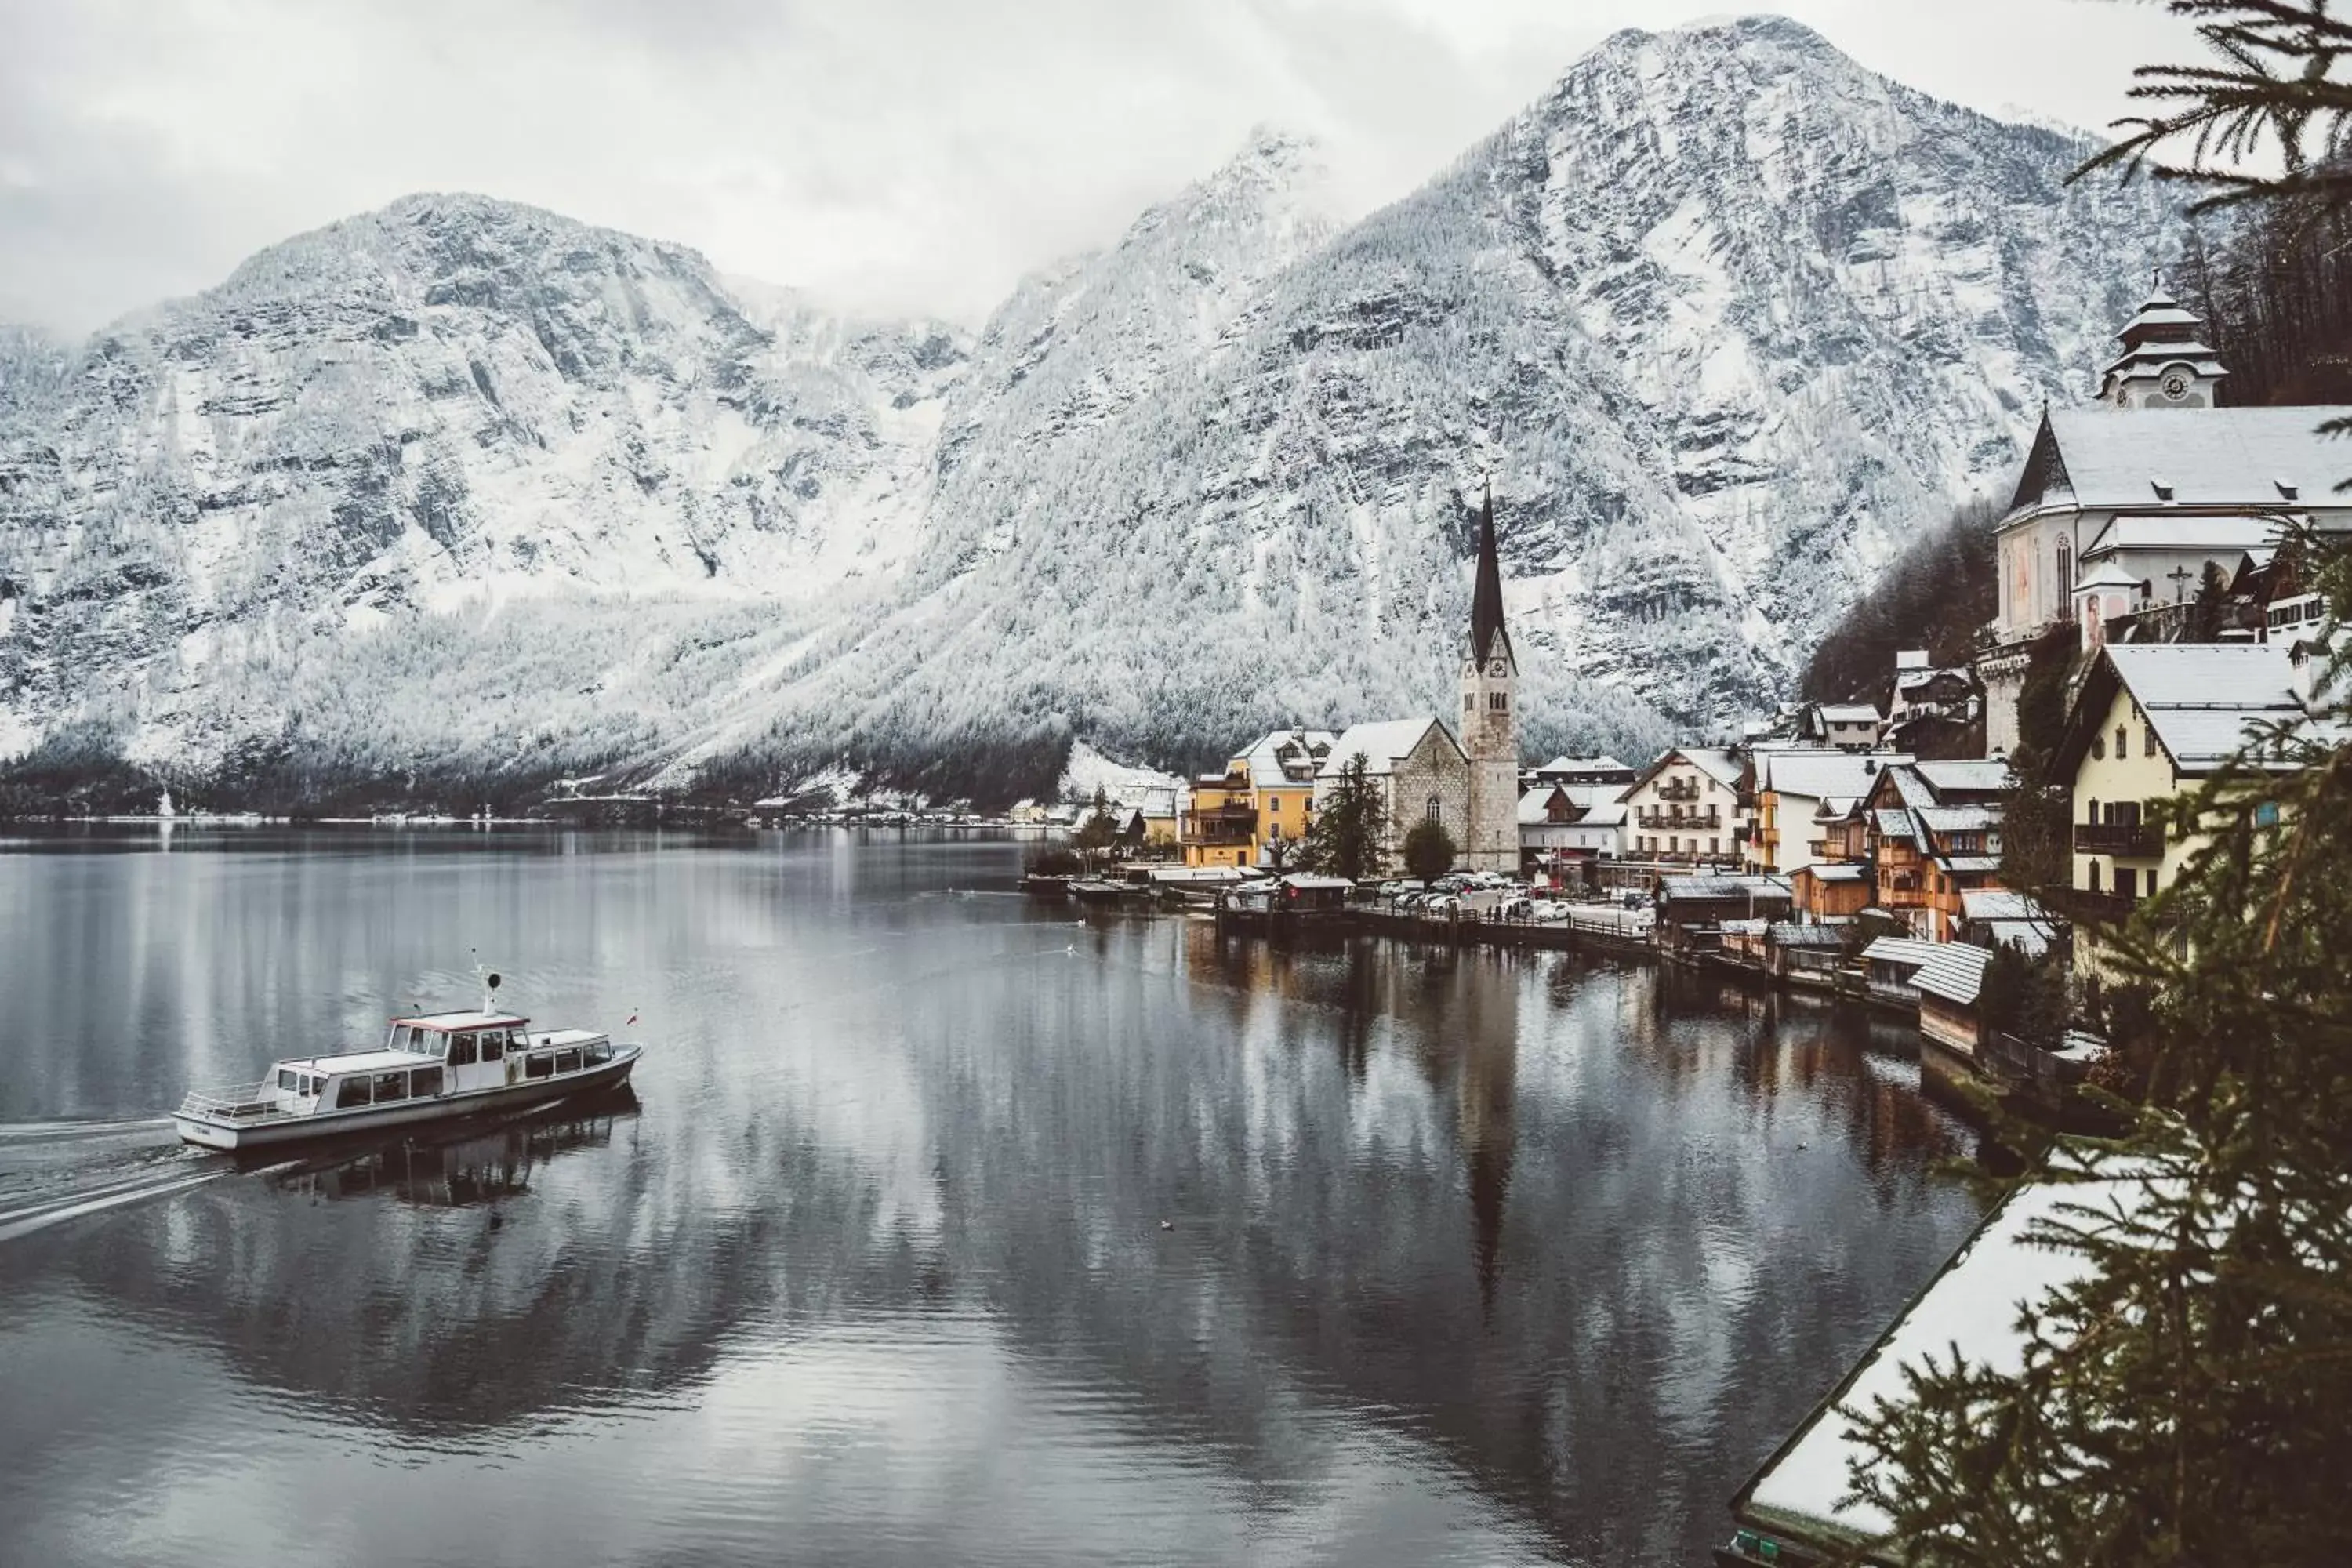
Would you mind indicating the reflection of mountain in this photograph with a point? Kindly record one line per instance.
(1548, 1220)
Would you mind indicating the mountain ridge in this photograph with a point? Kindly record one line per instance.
(1726, 315)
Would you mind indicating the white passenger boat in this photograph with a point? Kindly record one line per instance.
(434, 1067)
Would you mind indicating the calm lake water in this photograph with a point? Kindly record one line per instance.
(1475, 1257)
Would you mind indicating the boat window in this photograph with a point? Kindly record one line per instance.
(494, 1045)
(289, 1081)
(461, 1050)
(401, 1035)
(568, 1061)
(538, 1066)
(601, 1052)
(391, 1085)
(312, 1086)
(351, 1091)
(434, 1044)
(424, 1082)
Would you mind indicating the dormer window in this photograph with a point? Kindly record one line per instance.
(2287, 490)
(2162, 487)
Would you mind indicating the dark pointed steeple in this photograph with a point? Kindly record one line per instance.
(1486, 598)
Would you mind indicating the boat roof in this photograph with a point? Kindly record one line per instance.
(360, 1061)
(467, 1020)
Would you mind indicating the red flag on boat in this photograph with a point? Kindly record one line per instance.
(632, 1019)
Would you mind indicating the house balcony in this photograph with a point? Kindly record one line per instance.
(1678, 791)
(1681, 821)
(1221, 827)
(2138, 841)
(2091, 904)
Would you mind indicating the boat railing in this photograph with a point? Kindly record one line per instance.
(237, 1102)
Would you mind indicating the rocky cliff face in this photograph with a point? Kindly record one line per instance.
(1725, 317)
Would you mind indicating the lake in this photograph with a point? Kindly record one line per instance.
(1469, 1257)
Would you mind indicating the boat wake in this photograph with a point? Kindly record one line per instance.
(51, 1172)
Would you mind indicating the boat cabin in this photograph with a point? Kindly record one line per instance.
(432, 1056)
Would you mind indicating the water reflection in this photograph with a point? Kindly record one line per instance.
(1482, 1254)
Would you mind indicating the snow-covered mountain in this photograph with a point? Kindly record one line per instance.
(460, 486)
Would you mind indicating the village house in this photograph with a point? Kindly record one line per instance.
(1265, 798)
(1560, 834)
(1789, 790)
(1841, 726)
(1829, 890)
(2155, 480)
(2150, 722)
(1417, 770)
(1934, 837)
(1684, 810)
(1586, 772)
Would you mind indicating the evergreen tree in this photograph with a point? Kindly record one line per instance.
(1350, 836)
(1100, 828)
(1428, 850)
(2210, 608)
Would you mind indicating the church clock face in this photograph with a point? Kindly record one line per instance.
(1498, 669)
(2175, 386)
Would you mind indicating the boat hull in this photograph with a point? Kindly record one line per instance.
(231, 1134)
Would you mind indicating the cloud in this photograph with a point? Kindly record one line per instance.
(895, 155)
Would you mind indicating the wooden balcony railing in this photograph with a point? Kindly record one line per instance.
(2138, 841)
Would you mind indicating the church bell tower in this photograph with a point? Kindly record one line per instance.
(1490, 721)
(2165, 361)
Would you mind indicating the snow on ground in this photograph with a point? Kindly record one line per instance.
(1088, 770)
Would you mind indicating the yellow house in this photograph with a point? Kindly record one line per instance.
(2152, 721)
(1265, 796)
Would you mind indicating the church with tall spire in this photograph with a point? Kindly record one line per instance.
(1490, 721)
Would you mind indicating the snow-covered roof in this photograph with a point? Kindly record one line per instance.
(2110, 572)
(1309, 880)
(1900, 950)
(1702, 887)
(1970, 865)
(1833, 871)
(2201, 697)
(1263, 757)
(1786, 934)
(1535, 807)
(1716, 762)
(1812, 774)
(1894, 822)
(2206, 457)
(1958, 818)
(1384, 744)
(1611, 813)
(2232, 535)
(1605, 764)
(1956, 973)
(2030, 938)
(1743, 927)
(2000, 904)
(1849, 714)
(1970, 1308)
(1590, 795)
(1990, 777)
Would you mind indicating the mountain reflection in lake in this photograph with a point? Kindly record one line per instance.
(1475, 1257)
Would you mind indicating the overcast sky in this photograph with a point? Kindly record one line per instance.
(899, 156)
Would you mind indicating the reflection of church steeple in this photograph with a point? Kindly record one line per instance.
(1486, 1098)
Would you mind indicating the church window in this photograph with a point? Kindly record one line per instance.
(2066, 564)
(1469, 701)
(1435, 810)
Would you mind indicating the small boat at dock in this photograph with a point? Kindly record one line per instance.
(431, 1068)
